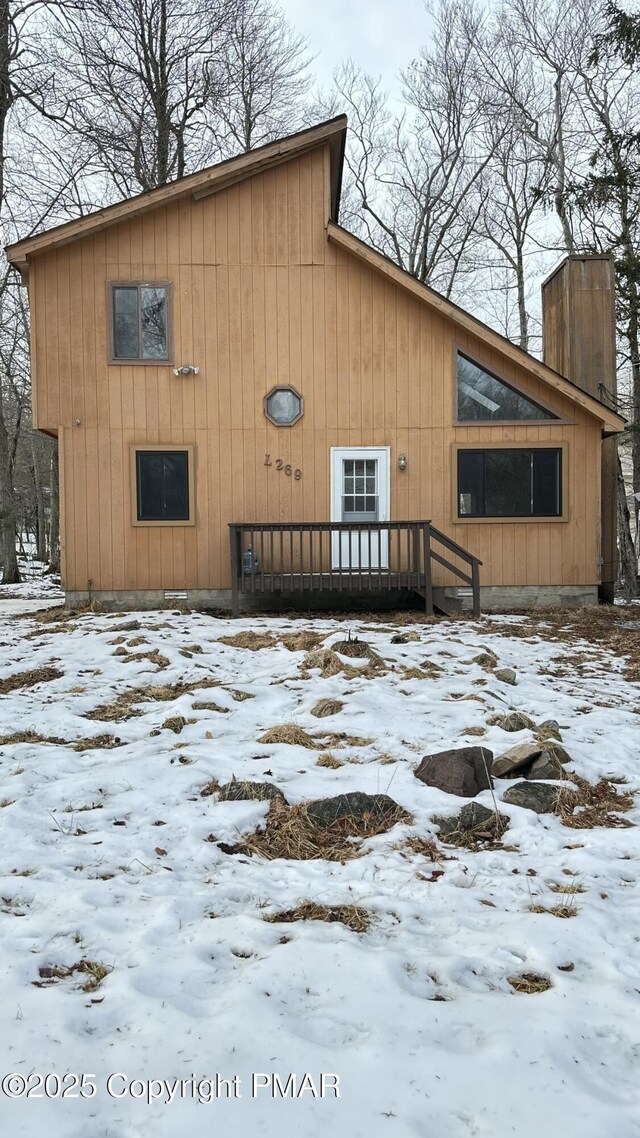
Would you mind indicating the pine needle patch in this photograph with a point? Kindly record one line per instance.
(589, 805)
(29, 679)
(290, 834)
(288, 733)
(326, 707)
(530, 983)
(330, 761)
(254, 641)
(354, 917)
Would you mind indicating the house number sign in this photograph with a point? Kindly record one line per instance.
(285, 467)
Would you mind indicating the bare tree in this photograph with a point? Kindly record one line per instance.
(264, 78)
(144, 75)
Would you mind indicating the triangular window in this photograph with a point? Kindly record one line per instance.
(482, 397)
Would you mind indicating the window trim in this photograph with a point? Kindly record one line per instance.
(189, 449)
(556, 418)
(120, 361)
(519, 519)
(282, 387)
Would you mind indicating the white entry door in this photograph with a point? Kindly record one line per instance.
(360, 493)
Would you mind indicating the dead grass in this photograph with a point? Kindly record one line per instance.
(565, 910)
(123, 706)
(174, 723)
(154, 655)
(208, 705)
(330, 761)
(424, 847)
(29, 679)
(94, 970)
(487, 835)
(239, 696)
(567, 887)
(325, 707)
(212, 787)
(329, 664)
(304, 641)
(254, 641)
(342, 739)
(288, 733)
(475, 731)
(355, 918)
(290, 834)
(587, 805)
(29, 737)
(531, 983)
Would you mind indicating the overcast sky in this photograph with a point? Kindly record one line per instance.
(381, 36)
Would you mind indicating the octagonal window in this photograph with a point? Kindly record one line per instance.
(283, 406)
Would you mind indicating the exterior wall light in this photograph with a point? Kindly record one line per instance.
(402, 462)
(186, 369)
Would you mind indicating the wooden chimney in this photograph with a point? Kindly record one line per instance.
(579, 341)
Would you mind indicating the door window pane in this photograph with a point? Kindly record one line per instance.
(510, 483)
(163, 485)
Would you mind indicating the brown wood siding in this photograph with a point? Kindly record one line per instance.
(260, 297)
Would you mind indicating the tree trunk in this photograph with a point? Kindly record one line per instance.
(41, 524)
(54, 516)
(628, 565)
(8, 555)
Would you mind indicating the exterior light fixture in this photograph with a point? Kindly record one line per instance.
(402, 462)
(186, 369)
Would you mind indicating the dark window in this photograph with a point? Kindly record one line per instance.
(483, 397)
(510, 483)
(140, 322)
(163, 485)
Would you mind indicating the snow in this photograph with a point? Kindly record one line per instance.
(121, 872)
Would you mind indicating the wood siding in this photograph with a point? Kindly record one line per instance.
(261, 297)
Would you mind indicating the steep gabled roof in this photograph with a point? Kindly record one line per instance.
(611, 421)
(198, 185)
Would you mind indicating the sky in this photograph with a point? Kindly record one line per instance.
(379, 35)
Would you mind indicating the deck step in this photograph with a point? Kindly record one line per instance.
(445, 604)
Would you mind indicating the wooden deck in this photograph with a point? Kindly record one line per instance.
(348, 558)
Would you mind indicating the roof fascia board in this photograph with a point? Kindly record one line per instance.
(341, 237)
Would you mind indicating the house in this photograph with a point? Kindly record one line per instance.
(250, 401)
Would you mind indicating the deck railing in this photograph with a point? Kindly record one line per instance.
(345, 557)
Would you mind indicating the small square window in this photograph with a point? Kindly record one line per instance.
(139, 327)
(283, 406)
(162, 486)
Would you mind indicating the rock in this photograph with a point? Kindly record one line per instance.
(549, 730)
(546, 766)
(464, 771)
(237, 791)
(515, 759)
(538, 796)
(405, 637)
(325, 811)
(516, 721)
(507, 675)
(473, 817)
(558, 752)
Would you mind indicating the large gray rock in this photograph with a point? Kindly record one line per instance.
(507, 675)
(546, 766)
(465, 771)
(539, 796)
(238, 791)
(355, 805)
(515, 759)
(516, 721)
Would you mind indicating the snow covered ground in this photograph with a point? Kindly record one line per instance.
(112, 856)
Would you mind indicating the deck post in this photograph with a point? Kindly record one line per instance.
(234, 537)
(475, 585)
(428, 585)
